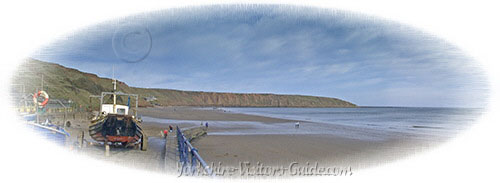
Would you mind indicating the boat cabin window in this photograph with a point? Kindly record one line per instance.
(120, 111)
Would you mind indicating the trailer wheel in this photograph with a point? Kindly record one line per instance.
(144, 143)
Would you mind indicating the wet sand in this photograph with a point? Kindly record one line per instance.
(206, 114)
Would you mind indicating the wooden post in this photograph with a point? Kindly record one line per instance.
(144, 145)
(166, 154)
(107, 149)
(80, 139)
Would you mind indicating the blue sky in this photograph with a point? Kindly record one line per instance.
(282, 50)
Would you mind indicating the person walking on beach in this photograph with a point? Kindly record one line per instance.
(206, 125)
(170, 128)
(297, 124)
(165, 133)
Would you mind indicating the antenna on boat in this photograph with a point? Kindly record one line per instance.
(114, 90)
(114, 80)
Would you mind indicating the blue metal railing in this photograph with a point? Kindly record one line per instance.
(50, 132)
(186, 151)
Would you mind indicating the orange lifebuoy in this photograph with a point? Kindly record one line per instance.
(44, 95)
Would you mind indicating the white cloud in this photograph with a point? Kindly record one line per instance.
(283, 53)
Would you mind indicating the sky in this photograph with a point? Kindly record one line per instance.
(276, 49)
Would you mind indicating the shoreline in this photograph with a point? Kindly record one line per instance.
(192, 113)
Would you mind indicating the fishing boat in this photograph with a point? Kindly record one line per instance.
(114, 125)
(44, 128)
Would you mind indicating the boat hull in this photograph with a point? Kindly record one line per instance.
(115, 129)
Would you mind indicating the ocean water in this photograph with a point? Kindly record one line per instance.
(410, 120)
(365, 123)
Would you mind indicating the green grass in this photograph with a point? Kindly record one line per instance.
(67, 83)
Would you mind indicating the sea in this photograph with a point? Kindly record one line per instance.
(363, 123)
(431, 121)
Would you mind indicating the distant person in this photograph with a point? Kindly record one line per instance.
(165, 133)
(206, 125)
(297, 124)
(170, 128)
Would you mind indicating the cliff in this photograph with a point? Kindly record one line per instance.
(70, 84)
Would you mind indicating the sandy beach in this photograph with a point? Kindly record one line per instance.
(234, 140)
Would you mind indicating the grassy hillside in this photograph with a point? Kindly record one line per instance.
(66, 83)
